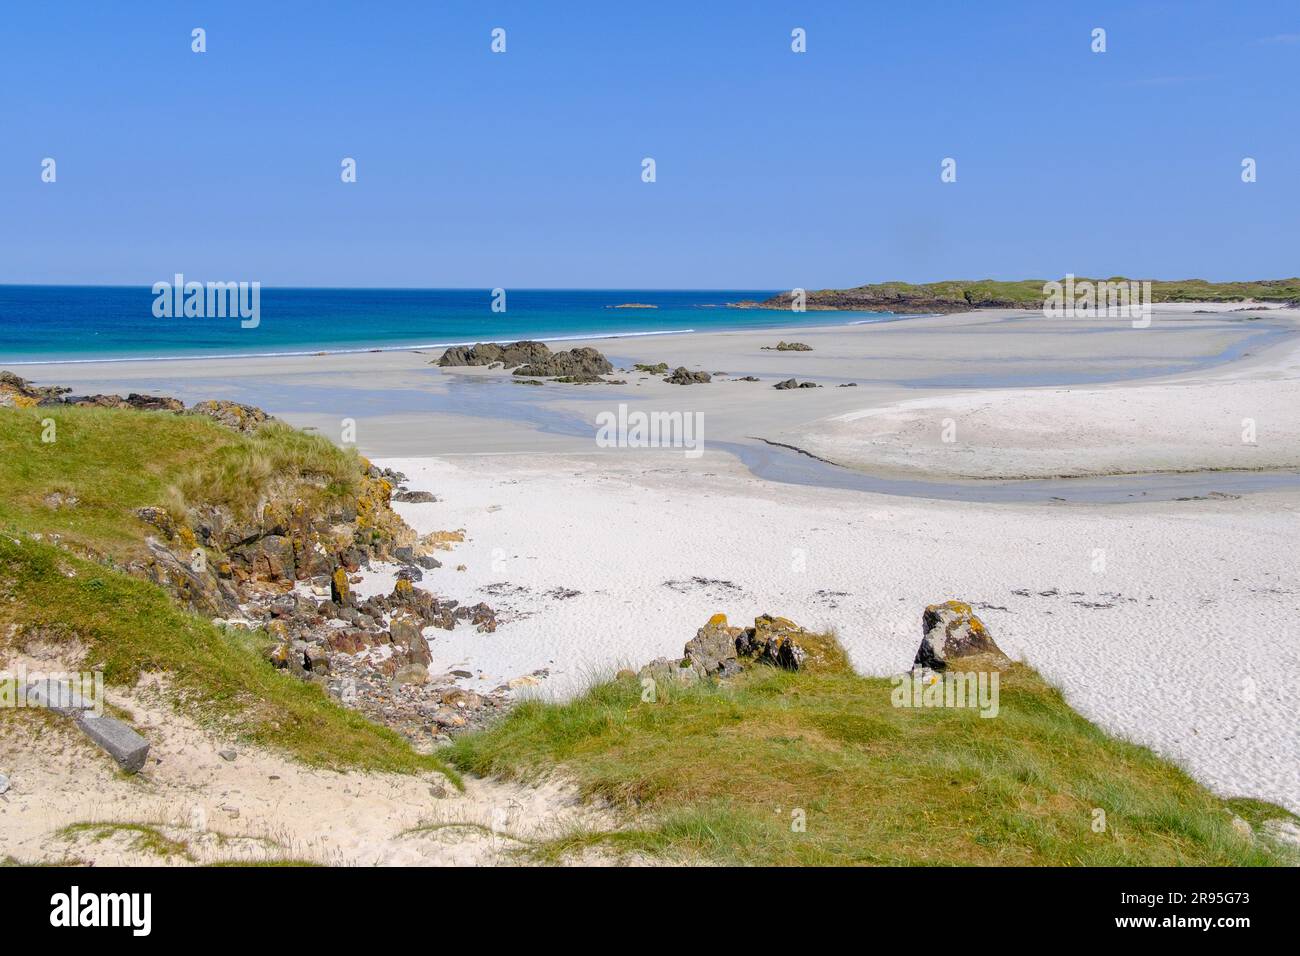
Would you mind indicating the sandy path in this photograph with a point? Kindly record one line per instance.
(258, 806)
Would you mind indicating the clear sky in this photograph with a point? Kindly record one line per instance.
(523, 169)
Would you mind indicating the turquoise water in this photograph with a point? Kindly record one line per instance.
(48, 323)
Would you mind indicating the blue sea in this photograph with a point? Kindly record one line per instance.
(59, 323)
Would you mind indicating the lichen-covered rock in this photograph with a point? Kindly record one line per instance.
(407, 629)
(666, 672)
(144, 403)
(17, 392)
(775, 641)
(340, 590)
(160, 518)
(198, 587)
(242, 418)
(953, 636)
(712, 651)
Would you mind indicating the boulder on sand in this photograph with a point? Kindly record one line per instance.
(581, 363)
(490, 353)
(683, 376)
(954, 637)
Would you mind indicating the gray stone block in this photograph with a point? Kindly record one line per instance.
(122, 743)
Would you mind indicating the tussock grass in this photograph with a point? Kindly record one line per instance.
(722, 773)
(240, 474)
(115, 461)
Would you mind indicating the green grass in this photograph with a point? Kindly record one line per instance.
(721, 773)
(144, 837)
(1029, 292)
(114, 461)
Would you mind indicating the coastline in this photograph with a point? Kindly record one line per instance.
(595, 559)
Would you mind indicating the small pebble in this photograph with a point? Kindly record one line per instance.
(228, 755)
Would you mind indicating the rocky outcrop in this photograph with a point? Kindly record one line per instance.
(774, 641)
(719, 651)
(415, 497)
(17, 392)
(573, 363)
(683, 376)
(407, 630)
(793, 383)
(954, 637)
(242, 418)
(489, 353)
(712, 651)
(136, 401)
(531, 358)
(788, 347)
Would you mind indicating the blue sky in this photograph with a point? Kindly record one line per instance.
(522, 169)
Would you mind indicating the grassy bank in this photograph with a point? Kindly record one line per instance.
(961, 294)
(114, 461)
(727, 773)
(65, 589)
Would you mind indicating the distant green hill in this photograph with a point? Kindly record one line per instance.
(961, 295)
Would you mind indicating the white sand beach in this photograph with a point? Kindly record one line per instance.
(1170, 622)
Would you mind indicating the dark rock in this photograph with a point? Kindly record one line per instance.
(774, 641)
(683, 376)
(480, 615)
(406, 628)
(575, 362)
(488, 353)
(415, 497)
